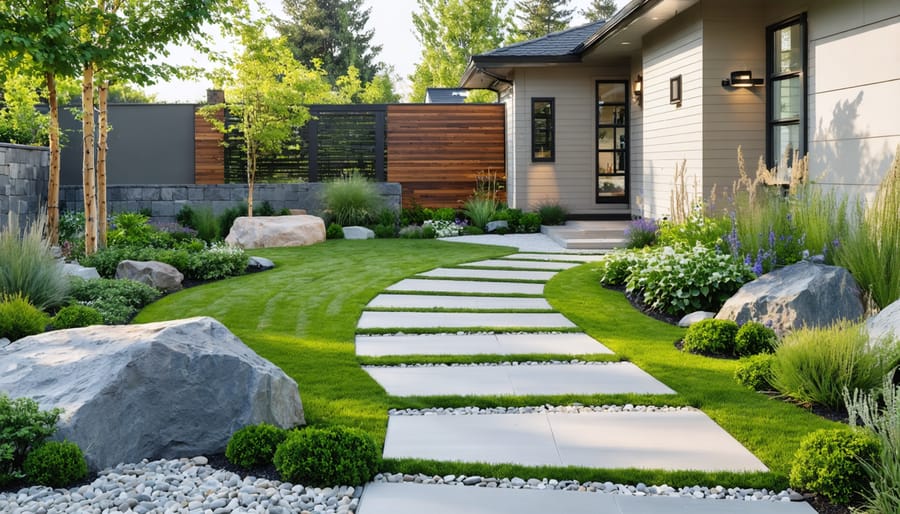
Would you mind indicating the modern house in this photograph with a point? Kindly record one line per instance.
(598, 117)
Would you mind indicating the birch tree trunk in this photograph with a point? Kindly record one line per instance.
(87, 167)
(102, 147)
(53, 181)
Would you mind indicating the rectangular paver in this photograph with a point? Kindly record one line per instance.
(466, 286)
(538, 379)
(487, 303)
(682, 440)
(564, 257)
(406, 498)
(508, 263)
(370, 319)
(479, 344)
(491, 274)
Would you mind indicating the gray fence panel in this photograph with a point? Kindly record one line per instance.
(148, 144)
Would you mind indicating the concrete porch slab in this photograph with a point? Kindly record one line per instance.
(489, 274)
(406, 498)
(509, 263)
(538, 379)
(479, 344)
(485, 303)
(561, 257)
(370, 319)
(465, 286)
(682, 440)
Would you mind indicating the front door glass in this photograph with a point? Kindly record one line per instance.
(611, 173)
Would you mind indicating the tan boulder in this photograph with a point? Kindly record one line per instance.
(275, 231)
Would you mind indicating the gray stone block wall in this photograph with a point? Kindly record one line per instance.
(24, 171)
(164, 201)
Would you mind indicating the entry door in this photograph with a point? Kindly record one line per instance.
(611, 172)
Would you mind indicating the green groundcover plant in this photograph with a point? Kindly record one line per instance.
(23, 426)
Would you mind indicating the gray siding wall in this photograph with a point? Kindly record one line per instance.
(164, 201)
(148, 144)
(24, 171)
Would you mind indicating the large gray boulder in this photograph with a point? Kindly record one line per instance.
(356, 232)
(886, 323)
(275, 231)
(160, 390)
(73, 269)
(160, 275)
(802, 294)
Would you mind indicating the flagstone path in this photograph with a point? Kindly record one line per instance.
(468, 304)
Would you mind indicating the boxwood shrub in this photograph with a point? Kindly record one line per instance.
(711, 337)
(753, 338)
(18, 318)
(75, 316)
(55, 464)
(829, 462)
(755, 371)
(327, 457)
(254, 445)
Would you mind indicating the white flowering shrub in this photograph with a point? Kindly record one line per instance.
(444, 228)
(678, 280)
(615, 267)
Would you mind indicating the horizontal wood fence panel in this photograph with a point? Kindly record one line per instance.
(436, 151)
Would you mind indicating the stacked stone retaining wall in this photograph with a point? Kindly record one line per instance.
(23, 183)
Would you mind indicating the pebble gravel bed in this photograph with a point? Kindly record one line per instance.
(697, 492)
(575, 408)
(180, 486)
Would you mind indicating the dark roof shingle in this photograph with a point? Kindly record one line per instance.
(561, 43)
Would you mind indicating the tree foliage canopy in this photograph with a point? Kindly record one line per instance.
(334, 33)
(600, 10)
(451, 31)
(537, 18)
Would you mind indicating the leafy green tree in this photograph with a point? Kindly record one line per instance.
(537, 18)
(334, 33)
(600, 10)
(450, 32)
(350, 89)
(268, 91)
(20, 122)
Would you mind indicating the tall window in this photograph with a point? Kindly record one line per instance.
(611, 174)
(786, 109)
(543, 127)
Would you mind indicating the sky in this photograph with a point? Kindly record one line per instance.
(391, 20)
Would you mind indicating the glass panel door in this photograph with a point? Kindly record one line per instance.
(611, 173)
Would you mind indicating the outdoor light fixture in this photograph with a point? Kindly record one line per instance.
(638, 89)
(742, 79)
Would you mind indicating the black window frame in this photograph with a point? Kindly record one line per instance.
(623, 153)
(772, 160)
(551, 130)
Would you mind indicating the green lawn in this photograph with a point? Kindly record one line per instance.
(302, 316)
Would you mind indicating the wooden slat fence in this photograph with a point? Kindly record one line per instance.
(436, 151)
(209, 154)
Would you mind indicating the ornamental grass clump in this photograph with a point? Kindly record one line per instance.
(28, 267)
(678, 280)
(816, 365)
(881, 418)
(480, 210)
(351, 200)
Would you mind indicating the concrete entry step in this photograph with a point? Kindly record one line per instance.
(681, 440)
(525, 379)
(479, 344)
(485, 303)
(466, 286)
(401, 320)
(556, 257)
(489, 274)
(407, 498)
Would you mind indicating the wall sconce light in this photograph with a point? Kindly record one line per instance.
(638, 88)
(742, 79)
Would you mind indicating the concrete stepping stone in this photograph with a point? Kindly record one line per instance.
(564, 257)
(507, 263)
(486, 303)
(400, 320)
(464, 286)
(506, 379)
(681, 440)
(492, 274)
(409, 498)
(479, 344)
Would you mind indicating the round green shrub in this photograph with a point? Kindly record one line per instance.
(711, 337)
(753, 338)
(384, 231)
(75, 316)
(755, 371)
(254, 445)
(327, 457)
(471, 230)
(334, 231)
(55, 464)
(829, 462)
(18, 318)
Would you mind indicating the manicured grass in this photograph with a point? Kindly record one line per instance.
(770, 428)
(302, 316)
